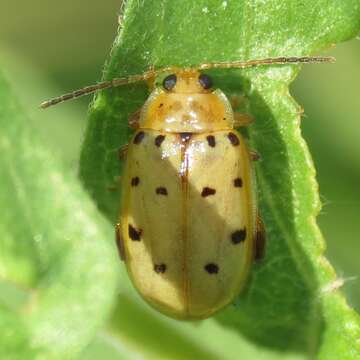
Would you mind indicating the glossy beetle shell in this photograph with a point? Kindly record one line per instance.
(188, 213)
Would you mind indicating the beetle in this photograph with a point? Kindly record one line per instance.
(189, 229)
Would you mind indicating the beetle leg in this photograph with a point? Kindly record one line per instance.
(237, 100)
(116, 185)
(122, 152)
(242, 119)
(260, 239)
(254, 156)
(119, 241)
(134, 119)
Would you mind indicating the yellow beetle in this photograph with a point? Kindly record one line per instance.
(188, 229)
(187, 221)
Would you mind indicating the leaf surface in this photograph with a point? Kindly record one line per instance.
(57, 272)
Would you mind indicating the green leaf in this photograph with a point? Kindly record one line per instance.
(57, 266)
(292, 303)
(333, 148)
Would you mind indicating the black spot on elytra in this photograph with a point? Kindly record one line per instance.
(207, 192)
(161, 190)
(160, 268)
(185, 136)
(135, 181)
(161, 105)
(211, 140)
(139, 137)
(211, 268)
(159, 139)
(233, 139)
(134, 234)
(238, 182)
(238, 236)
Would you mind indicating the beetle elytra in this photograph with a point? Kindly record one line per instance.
(189, 228)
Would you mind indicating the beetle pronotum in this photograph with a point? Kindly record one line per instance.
(189, 227)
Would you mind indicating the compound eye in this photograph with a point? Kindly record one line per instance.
(169, 82)
(205, 81)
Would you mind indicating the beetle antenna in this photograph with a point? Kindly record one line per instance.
(269, 61)
(103, 85)
(214, 65)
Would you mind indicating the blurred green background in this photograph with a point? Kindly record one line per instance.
(48, 48)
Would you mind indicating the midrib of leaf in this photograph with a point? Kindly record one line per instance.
(110, 348)
(117, 344)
